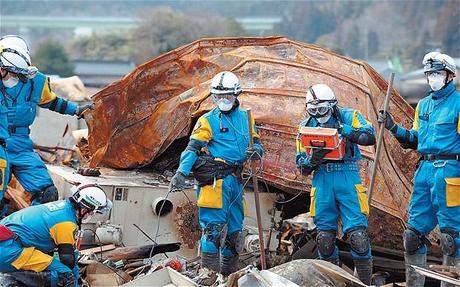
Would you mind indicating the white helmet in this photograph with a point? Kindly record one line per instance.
(15, 59)
(91, 196)
(320, 101)
(435, 61)
(14, 40)
(320, 93)
(225, 83)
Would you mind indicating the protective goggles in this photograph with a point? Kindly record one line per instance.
(319, 110)
(30, 72)
(433, 65)
(435, 73)
(229, 97)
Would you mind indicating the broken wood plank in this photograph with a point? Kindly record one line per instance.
(435, 275)
(138, 252)
(14, 195)
(98, 249)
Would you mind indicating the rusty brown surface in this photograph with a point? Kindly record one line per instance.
(137, 118)
(186, 221)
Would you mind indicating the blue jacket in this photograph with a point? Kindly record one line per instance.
(44, 226)
(350, 120)
(436, 126)
(225, 136)
(22, 101)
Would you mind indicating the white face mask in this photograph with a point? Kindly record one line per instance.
(11, 82)
(324, 119)
(436, 81)
(225, 105)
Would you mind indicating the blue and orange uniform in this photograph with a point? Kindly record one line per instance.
(435, 134)
(221, 211)
(4, 161)
(38, 231)
(22, 101)
(337, 189)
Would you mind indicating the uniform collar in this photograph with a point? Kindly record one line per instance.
(447, 90)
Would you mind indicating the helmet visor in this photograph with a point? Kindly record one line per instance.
(318, 110)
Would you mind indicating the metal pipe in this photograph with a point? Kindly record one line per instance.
(380, 140)
(256, 195)
(162, 206)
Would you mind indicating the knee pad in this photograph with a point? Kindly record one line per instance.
(359, 241)
(325, 240)
(235, 242)
(448, 244)
(47, 194)
(66, 279)
(216, 233)
(50, 193)
(412, 240)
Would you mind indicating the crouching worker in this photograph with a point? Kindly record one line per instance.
(224, 132)
(29, 237)
(336, 186)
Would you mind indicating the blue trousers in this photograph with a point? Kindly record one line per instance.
(429, 201)
(337, 191)
(231, 214)
(29, 169)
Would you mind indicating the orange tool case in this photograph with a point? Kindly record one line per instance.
(327, 138)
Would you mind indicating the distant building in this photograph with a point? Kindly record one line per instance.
(97, 73)
(258, 26)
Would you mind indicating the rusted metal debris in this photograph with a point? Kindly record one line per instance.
(186, 220)
(151, 111)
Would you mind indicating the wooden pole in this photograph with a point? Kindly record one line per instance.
(380, 139)
(256, 195)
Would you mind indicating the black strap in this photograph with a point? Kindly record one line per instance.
(312, 92)
(53, 104)
(432, 157)
(63, 107)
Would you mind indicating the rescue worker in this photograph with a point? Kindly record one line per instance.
(336, 187)
(435, 134)
(23, 88)
(29, 237)
(224, 132)
(4, 162)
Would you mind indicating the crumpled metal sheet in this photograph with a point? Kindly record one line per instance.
(138, 117)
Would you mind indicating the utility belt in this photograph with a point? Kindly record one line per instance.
(207, 169)
(19, 130)
(339, 166)
(6, 234)
(433, 157)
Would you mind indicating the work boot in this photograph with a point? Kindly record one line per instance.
(364, 269)
(229, 265)
(414, 279)
(447, 261)
(210, 261)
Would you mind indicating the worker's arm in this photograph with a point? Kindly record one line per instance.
(49, 100)
(63, 236)
(257, 151)
(407, 138)
(200, 137)
(358, 130)
(301, 158)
